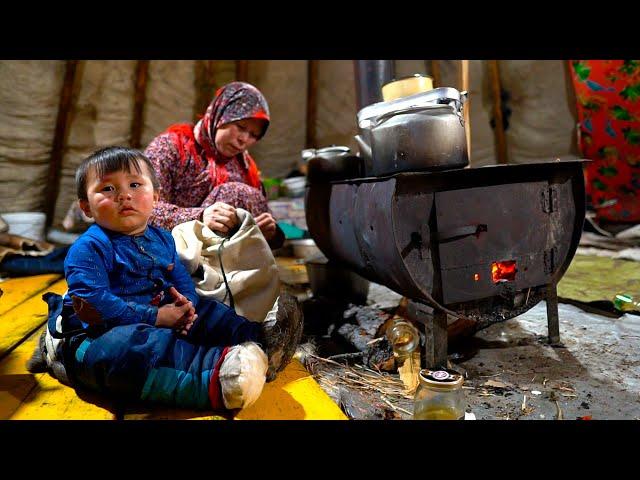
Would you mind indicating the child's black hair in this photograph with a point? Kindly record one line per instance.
(109, 160)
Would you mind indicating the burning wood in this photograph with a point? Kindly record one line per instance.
(364, 336)
(368, 318)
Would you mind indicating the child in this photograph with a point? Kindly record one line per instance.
(132, 323)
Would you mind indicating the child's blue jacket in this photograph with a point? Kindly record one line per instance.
(119, 279)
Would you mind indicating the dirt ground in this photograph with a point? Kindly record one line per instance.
(511, 373)
(593, 374)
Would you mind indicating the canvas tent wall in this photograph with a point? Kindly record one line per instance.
(312, 105)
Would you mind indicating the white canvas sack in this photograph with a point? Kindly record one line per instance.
(249, 265)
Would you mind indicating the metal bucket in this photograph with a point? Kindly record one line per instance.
(330, 280)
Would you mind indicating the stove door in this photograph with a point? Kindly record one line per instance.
(479, 227)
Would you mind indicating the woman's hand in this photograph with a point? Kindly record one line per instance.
(267, 225)
(220, 217)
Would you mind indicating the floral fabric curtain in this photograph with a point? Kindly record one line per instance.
(608, 106)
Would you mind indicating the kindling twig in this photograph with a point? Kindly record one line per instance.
(368, 370)
(385, 384)
(345, 356)
(558, 411)
(395, 407)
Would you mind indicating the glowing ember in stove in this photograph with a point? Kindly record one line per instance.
(503, 271)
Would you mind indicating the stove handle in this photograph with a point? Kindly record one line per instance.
(461, 232)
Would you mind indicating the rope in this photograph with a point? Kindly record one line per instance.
(224, 276)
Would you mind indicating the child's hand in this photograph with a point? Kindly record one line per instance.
(190, 316)
(175, 316)
(179, 300)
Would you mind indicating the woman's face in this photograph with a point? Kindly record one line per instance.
(236, 137)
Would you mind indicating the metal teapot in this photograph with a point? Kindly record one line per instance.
(424, 131)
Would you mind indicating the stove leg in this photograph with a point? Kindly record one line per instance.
(436, 340)
(553, 322)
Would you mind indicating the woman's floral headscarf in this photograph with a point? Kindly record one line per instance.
(235, 101)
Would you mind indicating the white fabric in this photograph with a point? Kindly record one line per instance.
(242, 375)
(271, 318)
(626, 254)
(53, 345)
(248, 263)
(629, 233)
(53, 353)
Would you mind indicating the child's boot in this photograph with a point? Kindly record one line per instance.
(44, 359)
(281, 333)
(38, 362)
(242, 375)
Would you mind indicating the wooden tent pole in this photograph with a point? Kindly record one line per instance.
(59, 138)
(435, 73)
(312, 103)
(142, 71)
(204, 86)
(576, 144)
(496, 89)
(464, 86)
(242, 70)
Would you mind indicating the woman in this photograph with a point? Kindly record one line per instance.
(206, 172)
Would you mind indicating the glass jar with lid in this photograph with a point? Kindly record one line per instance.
(439, 396)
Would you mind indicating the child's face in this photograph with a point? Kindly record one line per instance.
(120, 201)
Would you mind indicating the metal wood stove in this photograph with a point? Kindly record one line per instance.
(477, 243)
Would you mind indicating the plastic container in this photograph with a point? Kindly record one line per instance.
(294, 186)
(626, 303)
(26, 224)
(272, 187)
(439, 396)
(406, 86)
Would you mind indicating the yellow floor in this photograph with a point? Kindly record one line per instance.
(294, 395)
(29, 311)
(24, 396)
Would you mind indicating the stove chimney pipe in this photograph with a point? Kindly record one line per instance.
(371, 75)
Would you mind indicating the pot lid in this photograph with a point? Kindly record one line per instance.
(308, 153)
(333, 149)
(442, 96)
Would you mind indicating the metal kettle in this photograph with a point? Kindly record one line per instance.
(419, 132)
